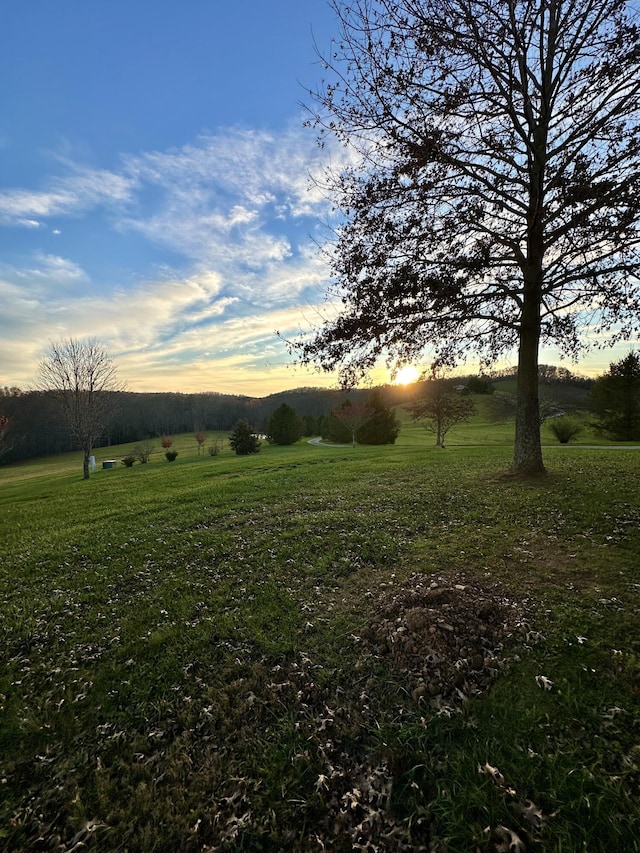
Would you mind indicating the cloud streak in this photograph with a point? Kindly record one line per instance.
(82, 190)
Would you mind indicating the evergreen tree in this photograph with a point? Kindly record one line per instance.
(285, 426)
(243, 439)
(335, 430)
(324, 426)
(615, 398)
(310, 425)
(383, 426)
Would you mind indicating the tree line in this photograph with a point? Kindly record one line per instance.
(32, 424)
(490, 201)
(80, 405)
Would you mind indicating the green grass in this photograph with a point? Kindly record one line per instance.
(185, 663)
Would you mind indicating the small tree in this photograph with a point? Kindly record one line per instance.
(81, 376)
(166, 442)
(382, 427)
(243, 439)
(200, 436)
(353, 416)
(615, 398)
(285, 426)
(442, 408)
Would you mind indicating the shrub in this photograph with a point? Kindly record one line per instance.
(215, 448)
(128, 461)
(143, 450)
(166, 442)
(564, 429)
(479, 385)
(170, 455)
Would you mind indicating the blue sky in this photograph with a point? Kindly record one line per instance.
(155, 188)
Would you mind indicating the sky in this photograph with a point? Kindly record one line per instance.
(156, 189)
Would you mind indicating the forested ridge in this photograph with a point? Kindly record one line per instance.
(36, 428)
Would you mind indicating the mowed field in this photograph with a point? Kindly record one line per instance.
(322, 648)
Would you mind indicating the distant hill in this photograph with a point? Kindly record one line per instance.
(37, 430)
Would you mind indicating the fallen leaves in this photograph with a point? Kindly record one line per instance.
(508, 841)
(492, 772)
(445, 639)
(529, 815)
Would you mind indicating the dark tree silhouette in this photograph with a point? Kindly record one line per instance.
(285, 425)
(496, 197)
(5, 440)
(442, 407)
(383, 426)
(615, 398)
(353, 416)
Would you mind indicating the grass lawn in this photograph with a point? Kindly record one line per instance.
(322, 648)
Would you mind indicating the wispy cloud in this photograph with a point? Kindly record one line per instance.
(235, 356)
(53, 269)
(81, 190)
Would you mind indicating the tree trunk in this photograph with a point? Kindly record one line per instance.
(85, 465)
(527, 455)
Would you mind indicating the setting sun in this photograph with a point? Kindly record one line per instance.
(407, 374)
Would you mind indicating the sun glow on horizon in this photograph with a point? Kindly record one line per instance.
(407, 374)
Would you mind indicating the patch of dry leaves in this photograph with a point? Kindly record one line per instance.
(447, 639)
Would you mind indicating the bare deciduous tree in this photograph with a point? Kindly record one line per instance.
(143, 450)
(82, 377)
(495, 198)
(442, 407)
